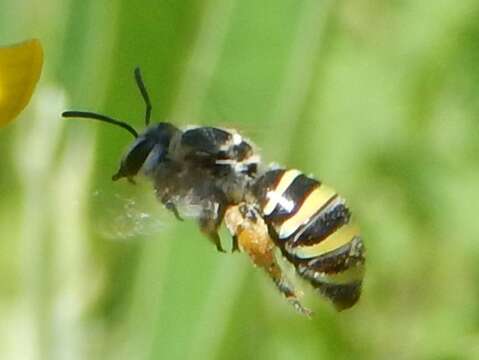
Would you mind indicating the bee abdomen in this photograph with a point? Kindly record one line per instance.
(311, 224)
(336, 274)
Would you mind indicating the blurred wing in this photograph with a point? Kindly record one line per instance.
(125, 218)
(20, 68)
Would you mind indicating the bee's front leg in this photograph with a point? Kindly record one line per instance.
(170, 205)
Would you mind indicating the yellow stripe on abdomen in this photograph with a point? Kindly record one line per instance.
(348, 276)
(315, 201)
(340, 237)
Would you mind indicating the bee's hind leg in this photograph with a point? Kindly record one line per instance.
(285, 288)
(251, 234)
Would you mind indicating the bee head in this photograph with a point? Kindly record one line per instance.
(148, 149)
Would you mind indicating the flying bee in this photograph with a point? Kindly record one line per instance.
(215, 175)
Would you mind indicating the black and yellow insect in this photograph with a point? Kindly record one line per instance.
(311, 225)
(215, 175)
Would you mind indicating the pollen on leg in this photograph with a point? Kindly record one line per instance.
(253, 238)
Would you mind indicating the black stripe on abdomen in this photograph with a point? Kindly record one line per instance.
(266, 183)
(295, 195)
(335, 261)
(337, 274)
(343, 296)
(323, 224)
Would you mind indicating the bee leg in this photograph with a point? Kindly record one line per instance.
(210, 229)
(209, 224)
(170, 205)
(215, 238)
(211, 219)
(268, 262)
(287, 290)
(234, 246)
(253, 238)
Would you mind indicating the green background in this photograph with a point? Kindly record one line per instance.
(379, 99)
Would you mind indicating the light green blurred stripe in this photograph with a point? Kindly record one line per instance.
(203, 59)
(34, 169)
(99, 37)
(75, 277)
(218, 311)
(298, 75)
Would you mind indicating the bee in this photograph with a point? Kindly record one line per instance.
(216, 176)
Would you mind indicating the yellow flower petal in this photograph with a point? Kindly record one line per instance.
(20, 68)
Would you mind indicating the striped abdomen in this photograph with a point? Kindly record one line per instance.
(311, 224)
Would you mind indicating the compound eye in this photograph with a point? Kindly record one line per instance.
(134, 158)
(154, 158)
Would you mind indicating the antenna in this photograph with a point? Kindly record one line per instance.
(144, 94)
(100, 117)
